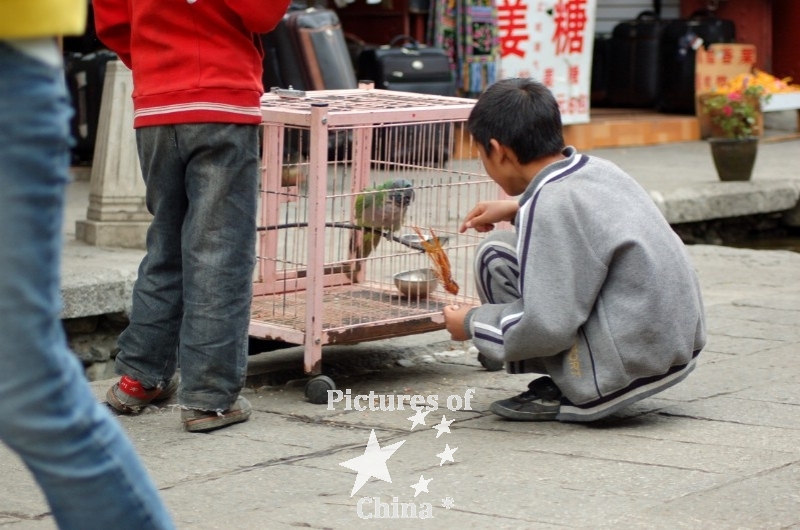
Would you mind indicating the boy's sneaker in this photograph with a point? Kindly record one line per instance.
(208, 420)
(539, 403)
(128, 396)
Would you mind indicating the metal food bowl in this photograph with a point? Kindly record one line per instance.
(414, 241)
(416, 283)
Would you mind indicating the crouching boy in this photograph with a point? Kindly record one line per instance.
(592, 289)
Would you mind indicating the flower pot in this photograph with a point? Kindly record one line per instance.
(734, 158)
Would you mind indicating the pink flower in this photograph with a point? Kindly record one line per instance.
(727, 110)
(735, 96)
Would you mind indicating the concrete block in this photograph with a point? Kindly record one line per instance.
(719, 200)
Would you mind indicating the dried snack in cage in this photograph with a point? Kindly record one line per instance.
(441, 263)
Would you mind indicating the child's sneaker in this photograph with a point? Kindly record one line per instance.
(539, 403)
(208, 420)
(128, 396)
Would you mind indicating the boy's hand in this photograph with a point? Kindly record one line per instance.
(483, 217)
(454, 321)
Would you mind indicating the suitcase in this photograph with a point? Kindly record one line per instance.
(679, 42)
(601, 64)
(409, 67)
(319, 40)
(633, 77)
(85, 75)
(283, 62)
(307, 51)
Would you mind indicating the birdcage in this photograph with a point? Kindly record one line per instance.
(330, 269)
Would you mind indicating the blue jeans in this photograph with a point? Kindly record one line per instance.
(76, 450)
(191, 299)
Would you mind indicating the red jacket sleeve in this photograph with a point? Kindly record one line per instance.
(113, 25)
(259, 16)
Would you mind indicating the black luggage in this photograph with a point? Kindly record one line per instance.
(283, 64)
(679, 42)
(85, 75)
(633, 77)
(601, 64)
(320, 41)
(307, 51)
(409, 67)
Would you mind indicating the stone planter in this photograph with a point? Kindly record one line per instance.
(734, 158)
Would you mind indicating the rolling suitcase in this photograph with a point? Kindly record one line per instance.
(601, 63)
(633, 77)
(410, 67)
(679, 42)
(283, 63)
(319, 39)
(85, 75)
(307, 51)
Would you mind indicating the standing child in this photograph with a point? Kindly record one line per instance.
(592, 289)
(196, 97)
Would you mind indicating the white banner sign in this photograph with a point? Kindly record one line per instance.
(550, 41)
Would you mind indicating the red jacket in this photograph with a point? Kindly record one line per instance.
(193, 61)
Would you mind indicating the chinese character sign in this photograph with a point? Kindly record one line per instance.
(550, 41)
(722, 62)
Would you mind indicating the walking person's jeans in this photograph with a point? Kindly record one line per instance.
(191, 300)
(76, 450)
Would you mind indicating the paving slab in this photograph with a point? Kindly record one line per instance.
(720, 450)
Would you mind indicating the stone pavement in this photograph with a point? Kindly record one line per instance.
(720, 450)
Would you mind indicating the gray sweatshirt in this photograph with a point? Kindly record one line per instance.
(610, 307)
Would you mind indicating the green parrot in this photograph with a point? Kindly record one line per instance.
(382, 208)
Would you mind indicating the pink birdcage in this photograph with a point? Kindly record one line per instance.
(316, 283)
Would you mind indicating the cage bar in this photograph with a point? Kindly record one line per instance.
(314, 284)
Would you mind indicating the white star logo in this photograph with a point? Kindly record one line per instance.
(443, 427)
(372, 463)
(421, 486)
(446, 455)
(418, 418)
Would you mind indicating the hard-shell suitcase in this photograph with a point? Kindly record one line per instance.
(408, 67)
(634, 70)
(283, 64)
(85, 75)
(320, 41)
(679, 42)
(601, 64)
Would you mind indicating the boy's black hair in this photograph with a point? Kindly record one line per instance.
(521, 114)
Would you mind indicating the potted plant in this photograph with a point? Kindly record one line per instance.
(734, 116)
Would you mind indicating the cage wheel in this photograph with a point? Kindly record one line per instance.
(317, 389)
(490, 364)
